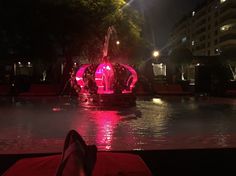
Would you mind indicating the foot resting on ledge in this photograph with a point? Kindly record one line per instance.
(79, 159)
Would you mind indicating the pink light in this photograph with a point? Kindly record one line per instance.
(79, 75)
(104, 77)
(78, 79)
(56, 109)
(104, 126)
(131, 81)
(107, 122)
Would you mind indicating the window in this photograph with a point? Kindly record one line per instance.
(159, 69)
(184, 39)
(225, 27)
(193, 43)
(217, 51)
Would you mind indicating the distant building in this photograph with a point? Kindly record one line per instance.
(208, 30)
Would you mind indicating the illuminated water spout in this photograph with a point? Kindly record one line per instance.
(110, 31)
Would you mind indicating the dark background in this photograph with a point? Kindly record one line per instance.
(161, 15)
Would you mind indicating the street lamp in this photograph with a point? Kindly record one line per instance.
(117, 42)
(155, 53)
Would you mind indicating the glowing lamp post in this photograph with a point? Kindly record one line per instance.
(117, 42)
(155, 54)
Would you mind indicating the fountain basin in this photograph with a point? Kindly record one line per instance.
(107, 100)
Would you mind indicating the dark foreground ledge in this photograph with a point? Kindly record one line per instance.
(167, 162)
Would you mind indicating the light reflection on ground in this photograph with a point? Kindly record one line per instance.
(29, 125)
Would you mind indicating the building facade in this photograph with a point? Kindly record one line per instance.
(208, 30)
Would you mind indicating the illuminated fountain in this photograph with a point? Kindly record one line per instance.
(105, 84)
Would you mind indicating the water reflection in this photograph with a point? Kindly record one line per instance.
(106, 122)
(158, 101)
(39, 125)
(107, 128)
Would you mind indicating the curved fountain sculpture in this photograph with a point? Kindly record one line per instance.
(106, 84)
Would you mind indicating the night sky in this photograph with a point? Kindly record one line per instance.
(161, 15)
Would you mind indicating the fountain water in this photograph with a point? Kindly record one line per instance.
(105, 84)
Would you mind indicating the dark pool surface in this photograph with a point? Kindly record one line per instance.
(36, 125)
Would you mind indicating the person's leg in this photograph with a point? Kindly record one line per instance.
(77, 158)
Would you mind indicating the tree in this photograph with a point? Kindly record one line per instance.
(46, 29)
(181, 57)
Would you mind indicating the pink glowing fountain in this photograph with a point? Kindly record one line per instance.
(106, 83)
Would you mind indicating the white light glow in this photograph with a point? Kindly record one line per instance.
(156, 53)
(184, 39)
(159, 69)
(158, 101)
(127, 4)
(222, 1)
(193, 43)
(225, 27)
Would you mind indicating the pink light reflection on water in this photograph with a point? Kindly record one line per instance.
(106, 122)
(104, 129)
(177, 124)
